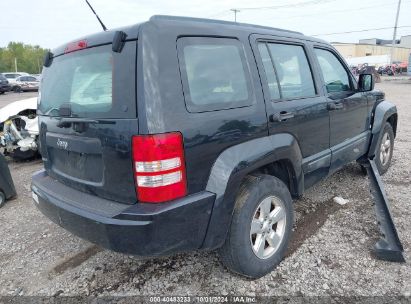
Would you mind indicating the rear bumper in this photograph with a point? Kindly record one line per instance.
(140, 229)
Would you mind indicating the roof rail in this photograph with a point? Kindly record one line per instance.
(179, 18)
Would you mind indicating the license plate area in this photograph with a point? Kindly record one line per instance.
(77, 165)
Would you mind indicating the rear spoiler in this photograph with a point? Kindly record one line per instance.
(117, 37)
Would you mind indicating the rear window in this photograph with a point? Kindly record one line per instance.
(11, 76)
(96, 82)
(214, 73)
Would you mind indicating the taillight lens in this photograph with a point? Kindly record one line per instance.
(159, 167)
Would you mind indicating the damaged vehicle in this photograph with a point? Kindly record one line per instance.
(183, 134)
(19, 129)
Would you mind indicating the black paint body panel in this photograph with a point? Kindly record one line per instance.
(221, 146)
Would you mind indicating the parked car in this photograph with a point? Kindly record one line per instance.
(38, 76)
(4, 84)
(12, 76)
(26, 83)
(182, 134)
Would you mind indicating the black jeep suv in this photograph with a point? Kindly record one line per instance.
(181, 134)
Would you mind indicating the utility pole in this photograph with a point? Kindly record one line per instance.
(15, 64)
(38, 65)
(395, 31)
(235, 13)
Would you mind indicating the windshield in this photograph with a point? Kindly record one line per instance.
(85, 80)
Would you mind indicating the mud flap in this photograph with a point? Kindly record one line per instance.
(389, 246)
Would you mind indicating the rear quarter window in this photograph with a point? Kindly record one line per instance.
(214, 74)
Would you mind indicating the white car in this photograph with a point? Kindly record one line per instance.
(19, 129)
(25, 83)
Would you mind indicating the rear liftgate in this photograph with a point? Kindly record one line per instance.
(389, 246)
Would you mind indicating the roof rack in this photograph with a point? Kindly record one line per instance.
(179, 18)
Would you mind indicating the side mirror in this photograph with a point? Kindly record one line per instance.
(365, 83)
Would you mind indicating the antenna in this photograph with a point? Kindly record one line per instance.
(98, 18)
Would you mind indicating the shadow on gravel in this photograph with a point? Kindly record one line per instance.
(310, 223)
(76, 260)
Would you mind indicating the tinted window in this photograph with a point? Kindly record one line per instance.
(293, 70)
(22, 78)
(214, 73)
(335, 76)
(31, 78)
(269, 71)
(82, 79)
(11, 75)
(96, 82)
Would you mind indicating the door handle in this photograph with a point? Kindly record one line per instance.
(282, 116)
(335, 106)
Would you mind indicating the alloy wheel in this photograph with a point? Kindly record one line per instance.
(268, 227)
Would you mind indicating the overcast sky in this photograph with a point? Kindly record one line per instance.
(49, 23)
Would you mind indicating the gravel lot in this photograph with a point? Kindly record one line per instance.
(330, 253)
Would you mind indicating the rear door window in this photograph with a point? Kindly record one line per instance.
(269, 72)
(292, 69)
(214, 73)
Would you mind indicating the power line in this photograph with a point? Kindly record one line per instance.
(342, 11)
(235, 11)
(359, 31)
(227, 12)
(299, 4)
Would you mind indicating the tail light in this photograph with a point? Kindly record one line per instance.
(75, 46)
(159, 167)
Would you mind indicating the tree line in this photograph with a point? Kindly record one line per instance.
(28, 58)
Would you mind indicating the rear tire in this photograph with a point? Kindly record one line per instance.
(261, 227)
(385, 147)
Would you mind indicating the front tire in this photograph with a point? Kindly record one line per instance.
(261, 227)
(385, 147)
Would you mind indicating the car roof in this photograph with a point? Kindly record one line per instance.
(216, 22)
(219, 24)
(16, 73)
(163, 21)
